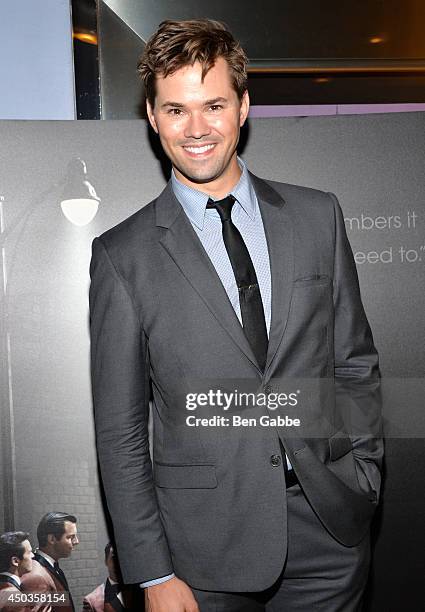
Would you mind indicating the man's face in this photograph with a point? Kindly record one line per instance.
(199, 124)
(25, 564)
(64, 546)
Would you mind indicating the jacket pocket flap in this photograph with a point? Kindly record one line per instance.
(339, 446)
(313, 279)
(185, 476)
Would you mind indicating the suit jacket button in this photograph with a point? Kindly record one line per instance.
(275, 460)
(268, 389)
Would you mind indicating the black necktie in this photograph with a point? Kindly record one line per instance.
(111, 591)
(59, 573)
(111, 596)
(252, 311)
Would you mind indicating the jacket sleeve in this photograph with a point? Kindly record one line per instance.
(120, 387)
(357, 376)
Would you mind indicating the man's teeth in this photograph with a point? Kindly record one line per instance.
(199, 150)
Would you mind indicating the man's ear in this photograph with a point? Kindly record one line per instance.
(244, 109)
(51, 538)
(14, 561)
(149, 111)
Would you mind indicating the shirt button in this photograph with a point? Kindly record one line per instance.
(275, 460)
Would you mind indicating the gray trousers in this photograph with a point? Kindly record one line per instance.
(319, 573)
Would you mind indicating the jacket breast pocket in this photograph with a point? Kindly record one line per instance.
(188, 476)
(311, 280)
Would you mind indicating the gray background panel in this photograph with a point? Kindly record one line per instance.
(375, 166)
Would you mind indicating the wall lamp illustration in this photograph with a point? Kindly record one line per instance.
(79, 201)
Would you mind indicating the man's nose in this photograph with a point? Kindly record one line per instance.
(197, 126)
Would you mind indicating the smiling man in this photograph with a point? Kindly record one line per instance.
(198, 118)
(228, 276)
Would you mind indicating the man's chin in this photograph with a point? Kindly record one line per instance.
(200, 177)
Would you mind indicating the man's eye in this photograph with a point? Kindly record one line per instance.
(215, 107)
(175, 112)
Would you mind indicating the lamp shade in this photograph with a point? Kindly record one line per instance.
(79, 202)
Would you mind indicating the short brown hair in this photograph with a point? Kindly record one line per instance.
(53, 523)
(11, 545)
(182, 43)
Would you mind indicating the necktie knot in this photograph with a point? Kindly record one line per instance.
(223, 207)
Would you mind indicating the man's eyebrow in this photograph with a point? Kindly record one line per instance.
(169, 103)
(173, 104)
(215, 101)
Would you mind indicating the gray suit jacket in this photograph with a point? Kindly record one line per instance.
(212, 506)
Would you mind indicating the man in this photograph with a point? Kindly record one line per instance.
(227, 277)
(15, 561)
(109, 596)
(57, 538)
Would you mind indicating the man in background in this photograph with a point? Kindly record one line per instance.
(15, 562)
(57, 538)
(111, 595)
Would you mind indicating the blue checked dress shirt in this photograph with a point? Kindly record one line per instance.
(247, 218)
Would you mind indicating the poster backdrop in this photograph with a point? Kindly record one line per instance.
(375, 165)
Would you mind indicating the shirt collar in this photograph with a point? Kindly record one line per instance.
(47, 557)
(194, 202)
(13, 576)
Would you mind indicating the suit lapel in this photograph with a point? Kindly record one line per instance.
(111, 599)
(59, 578)
(279, 236)
(184, 247)
(8, 580)
(42, 561)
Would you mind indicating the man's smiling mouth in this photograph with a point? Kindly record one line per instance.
(199, 150)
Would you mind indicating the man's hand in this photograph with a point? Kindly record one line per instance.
(171, 596)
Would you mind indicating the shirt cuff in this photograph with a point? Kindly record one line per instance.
(144, 585)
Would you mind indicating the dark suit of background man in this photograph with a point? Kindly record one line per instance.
(111, 595)
(15, 561)
(235, 518)
(57, 538)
